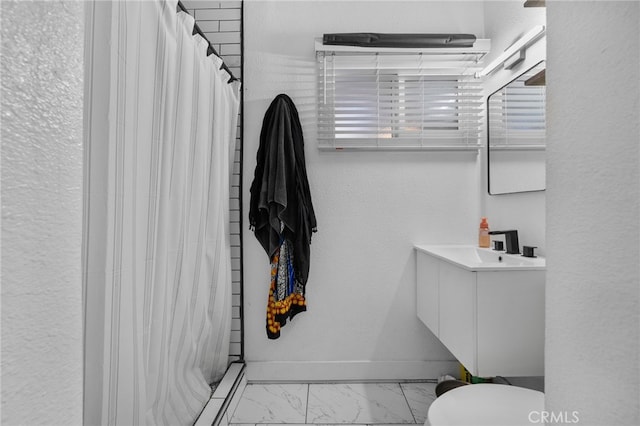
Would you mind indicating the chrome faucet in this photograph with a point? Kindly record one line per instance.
(511, 239)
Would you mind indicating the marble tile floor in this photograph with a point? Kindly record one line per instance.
(334, 404)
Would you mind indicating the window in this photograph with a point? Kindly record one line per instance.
(516, 112)
(394, 99)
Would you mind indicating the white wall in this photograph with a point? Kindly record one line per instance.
(593, 236)
(42, 108)
(371, 206)
(505, 22)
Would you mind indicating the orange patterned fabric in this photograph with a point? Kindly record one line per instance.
(286, 294)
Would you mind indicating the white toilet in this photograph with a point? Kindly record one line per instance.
(486, 404)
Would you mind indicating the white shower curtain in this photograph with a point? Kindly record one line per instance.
(172, 124)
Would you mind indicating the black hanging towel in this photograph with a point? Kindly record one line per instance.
(281, 212)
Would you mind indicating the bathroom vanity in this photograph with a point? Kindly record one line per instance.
(486, 307)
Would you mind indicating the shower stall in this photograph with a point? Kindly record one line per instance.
(161, 254)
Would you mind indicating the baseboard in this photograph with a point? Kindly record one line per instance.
(343, 371)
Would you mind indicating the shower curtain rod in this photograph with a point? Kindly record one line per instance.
(210, 49)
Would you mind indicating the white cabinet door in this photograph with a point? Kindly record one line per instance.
(511, 323)
(458, 313)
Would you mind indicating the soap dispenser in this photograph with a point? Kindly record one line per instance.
(483, 236)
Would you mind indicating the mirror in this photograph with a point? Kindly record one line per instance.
(516, 137)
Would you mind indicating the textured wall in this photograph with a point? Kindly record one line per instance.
(371, 206)
(42, 84)
(593, 235)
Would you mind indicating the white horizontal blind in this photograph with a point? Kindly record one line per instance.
(399, 100)
(517, 116)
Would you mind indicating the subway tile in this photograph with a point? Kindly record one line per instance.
(218, 14)
(200, 4)
(208, 26)
(235, 324)
(222, 38)
(230, 49)
(232, 60)
(235, 280)
(228, 26)
(236, 336)
(236, 302)
(236, 71)
(235, 348)
(235, 288)
(235, 263)
(236, 167)
(235, 192)
(230, 4)
(236, 155)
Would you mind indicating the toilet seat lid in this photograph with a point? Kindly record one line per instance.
(486, 404)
